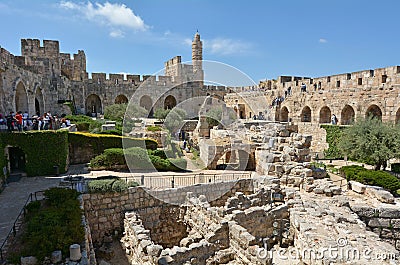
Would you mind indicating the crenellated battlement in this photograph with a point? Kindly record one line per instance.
(31, 47)
(112, 78)
(380, 77)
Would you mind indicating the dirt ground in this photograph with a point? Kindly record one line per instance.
(119, 257)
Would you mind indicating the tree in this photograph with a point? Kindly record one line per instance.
(175, 119)
(117, 112)
(371, 141)
(161, 114)
(214, 116)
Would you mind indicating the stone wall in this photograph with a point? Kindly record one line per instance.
(215, 234)
(42, 78)
(105, 212)
(383, 220)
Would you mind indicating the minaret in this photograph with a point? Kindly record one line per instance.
(197, 58)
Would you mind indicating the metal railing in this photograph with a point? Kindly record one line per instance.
(17, 223)
(174, 181)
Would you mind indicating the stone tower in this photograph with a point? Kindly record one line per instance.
(197, 57)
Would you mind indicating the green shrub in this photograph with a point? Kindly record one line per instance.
(109, 185)
(33, 207)
(372, 177)
(53, 225)
(333, 135)
(132, 183)
(158, 152)
(154, 128)
(159, 163)
(57, 196)
(110, 158)
(178, 164)
(138, 158)
(43, 150)
(84, 123)
(395, 167)
(112, 132)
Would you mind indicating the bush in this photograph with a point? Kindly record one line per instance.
(84, 123)
(55, 225)
(158, 152)
(178, 164)
(159, 163)
(43, 150)
(395, 167)
(112, 132)
(154, 128)
(95, 144)
(138, 158)
(372, 177)
(57, 196)
(109, 185)
(110, 158)
(333, 135)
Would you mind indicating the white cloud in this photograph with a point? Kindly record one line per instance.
(322, 40)
(117, 33)
(114, 15)
(187, 41)
(226, 46)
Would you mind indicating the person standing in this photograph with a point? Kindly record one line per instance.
(10, 120)
(25, 118)
(18, 118)
(334, 119)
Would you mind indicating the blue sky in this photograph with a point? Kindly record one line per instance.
(264, 39)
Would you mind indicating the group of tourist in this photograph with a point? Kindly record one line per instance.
(18, 121)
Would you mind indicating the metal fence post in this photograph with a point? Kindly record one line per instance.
(142, 180)
(173, 181)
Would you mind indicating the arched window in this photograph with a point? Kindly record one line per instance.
(306, 114)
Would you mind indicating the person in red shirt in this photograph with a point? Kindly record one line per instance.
(18, 117)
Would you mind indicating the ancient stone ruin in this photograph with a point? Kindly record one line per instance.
(287, 213)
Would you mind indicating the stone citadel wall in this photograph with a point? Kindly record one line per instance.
(349, 96)
(42, 78)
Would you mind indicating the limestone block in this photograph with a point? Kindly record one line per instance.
(154, 250)
(357, 187)
(318, 190)
(145, 243)
(328, 192)
(381, 195)
(309, 187)
(28, 260)
(389, 211)
(379, 222)
(56, 256)
(364, 210)
(336, 190)
(395, 223)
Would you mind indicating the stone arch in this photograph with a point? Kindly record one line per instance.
(397, 119)
(306, 114)
(284, 114)
(147, 103)
(374, 111)
(121, 99)
(325, 115)
(21, 98)
(169, 102)
(39, 102)
(347, 116)
(93, 104)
